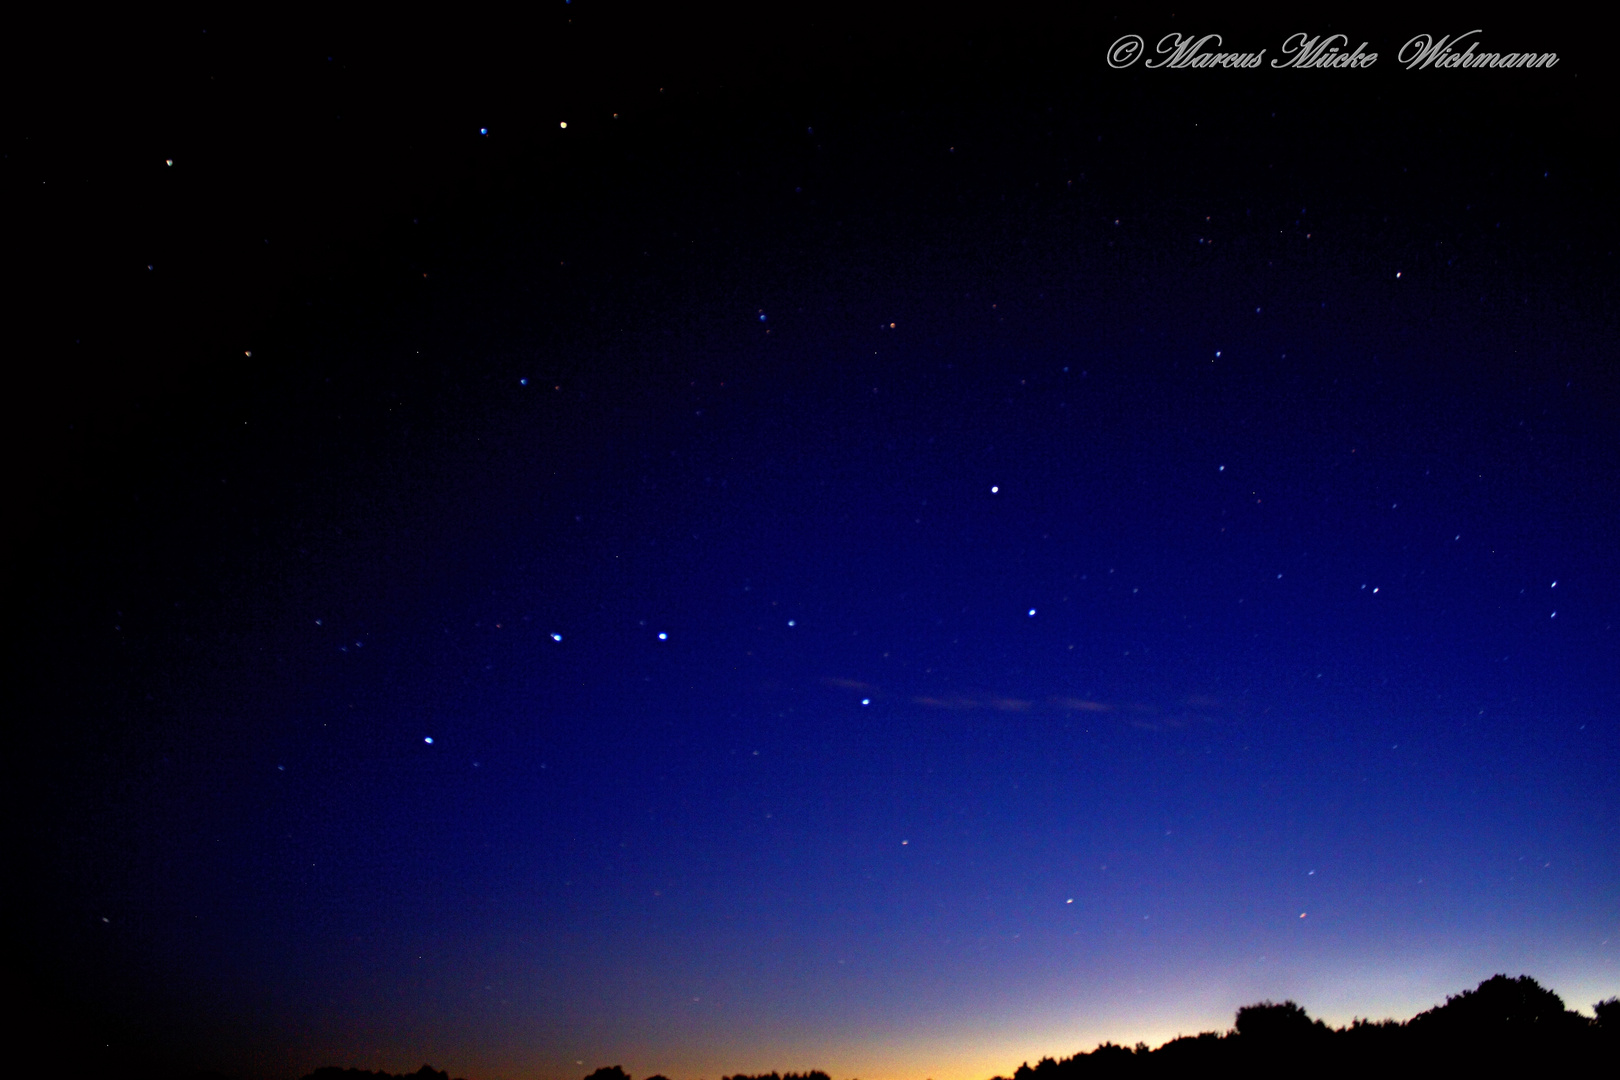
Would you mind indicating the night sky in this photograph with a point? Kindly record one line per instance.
(835, 542)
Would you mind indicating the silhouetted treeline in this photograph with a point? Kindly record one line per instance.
(1503, 1025)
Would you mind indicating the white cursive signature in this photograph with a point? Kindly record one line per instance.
(1425, 50)
(1304, 51)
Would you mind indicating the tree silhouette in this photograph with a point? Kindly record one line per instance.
(1503, 1021)
(1269, 1033)
(1273, 1024)
(1606, 1032)
(1519, 1005)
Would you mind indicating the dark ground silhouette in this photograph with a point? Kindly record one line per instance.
(1504, 1026)
(426, 1072)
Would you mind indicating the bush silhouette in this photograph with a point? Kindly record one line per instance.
(1270, 1024)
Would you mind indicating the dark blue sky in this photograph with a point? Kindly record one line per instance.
(897, 568)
